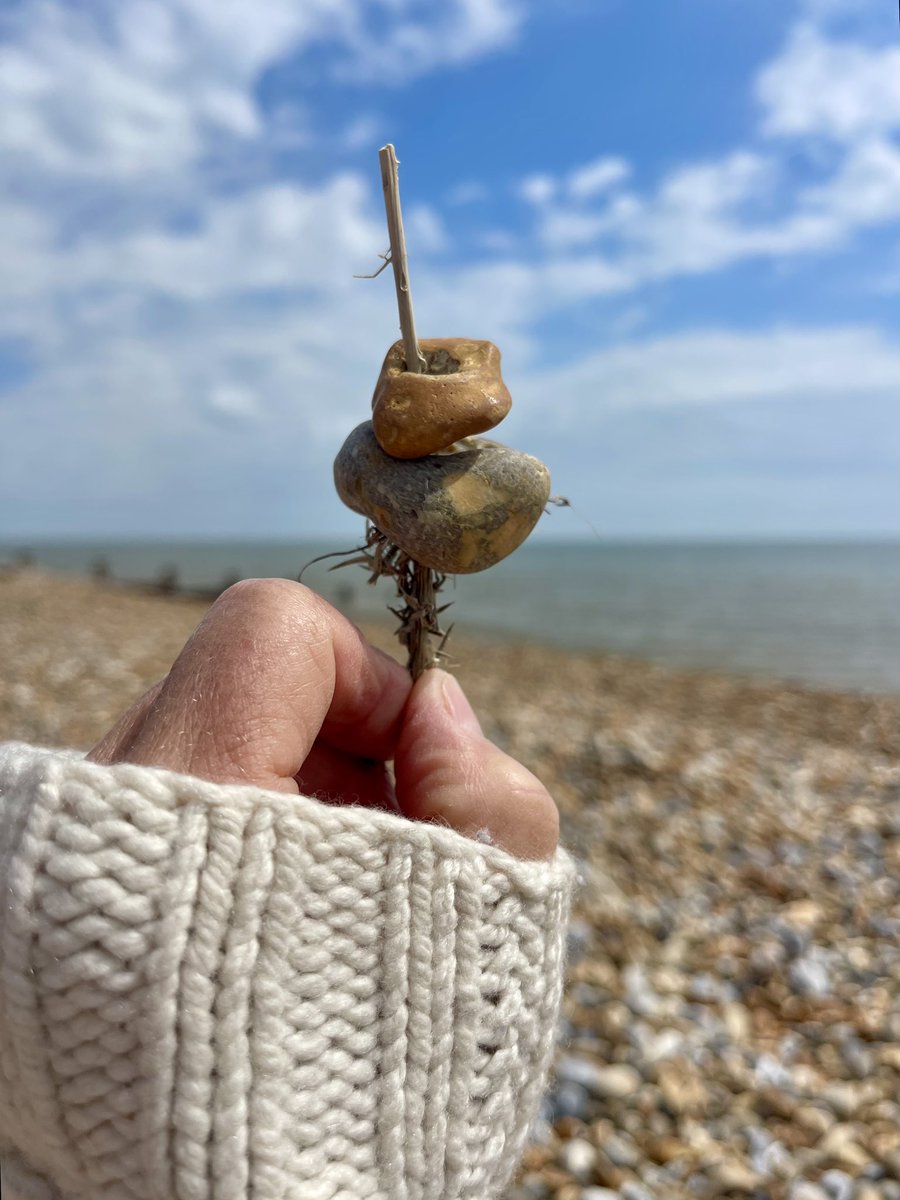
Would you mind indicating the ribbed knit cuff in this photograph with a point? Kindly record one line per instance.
(221, 993)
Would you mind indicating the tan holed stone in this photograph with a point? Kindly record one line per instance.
(461, 394)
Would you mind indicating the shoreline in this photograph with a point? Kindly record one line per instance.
(467, 646)
(168, 587)
(819, 618)
(79, 651)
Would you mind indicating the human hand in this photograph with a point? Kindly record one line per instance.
(276, 689)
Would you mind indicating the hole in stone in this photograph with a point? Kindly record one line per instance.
(439, 362)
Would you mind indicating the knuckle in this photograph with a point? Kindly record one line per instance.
(267, 606)
(270, 629)
(257, 594)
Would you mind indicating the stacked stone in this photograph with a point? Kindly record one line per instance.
(451, 501)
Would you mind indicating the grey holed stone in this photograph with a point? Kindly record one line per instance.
(458, 512)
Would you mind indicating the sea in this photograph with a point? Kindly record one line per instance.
(823, 614)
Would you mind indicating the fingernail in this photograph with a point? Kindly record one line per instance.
(458, 706)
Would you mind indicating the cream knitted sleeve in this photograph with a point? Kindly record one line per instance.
(224, 993)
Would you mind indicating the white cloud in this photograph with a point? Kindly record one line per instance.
(279, 237)
(182, 316)
(716, 367)
(691, 223)
(537, 189)
(425, 230)
(597, 177)
(774, 431)
(469, 192)
(562, 228)
(713, 186)
(424, 37)
(628, 321)
(363, 132)
(499, 241)
(289, 126)
(143, 418)
(127, 91)
(705, 217)
(824, 11)
(233, 401)
(865, 190)
(837, 89)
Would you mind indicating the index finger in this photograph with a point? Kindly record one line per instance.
(271, 668)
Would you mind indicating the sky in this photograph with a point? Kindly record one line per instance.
(678, 220)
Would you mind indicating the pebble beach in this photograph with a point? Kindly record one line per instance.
(731, 1023)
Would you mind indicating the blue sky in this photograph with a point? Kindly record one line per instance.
(677, 220)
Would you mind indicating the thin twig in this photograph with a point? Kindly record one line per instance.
(416, 584)
(375, 274)
(322, 557)
(390, 181)
(421, 656)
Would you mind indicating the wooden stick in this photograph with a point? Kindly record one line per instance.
(390, 181)
(420, 615)
(421, 652)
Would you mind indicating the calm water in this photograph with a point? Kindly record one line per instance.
(825, 613)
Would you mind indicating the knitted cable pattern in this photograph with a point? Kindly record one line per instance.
(220, 993)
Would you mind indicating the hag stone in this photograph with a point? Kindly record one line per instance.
(461, 394)
(457, 512)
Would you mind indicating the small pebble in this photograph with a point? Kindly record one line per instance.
(616, 1082)
(534, 1187)
(802, 1189)
(735, 1176)
(578, 1157)
(837, 1184)
(621, 1151)
(605, 1082)
(570, 1099)
(842, 1099)
(866, 1191)
(634, 1191)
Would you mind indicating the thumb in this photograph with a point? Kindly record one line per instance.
(446, 770)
